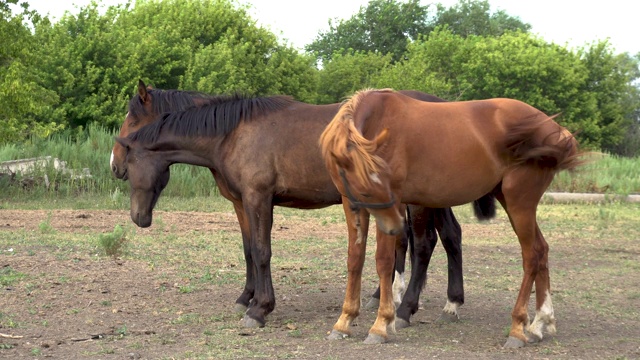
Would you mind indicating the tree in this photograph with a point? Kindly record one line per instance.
(92, 60)
(252, 64)
(25, 104)
(347, 73)
(384, 26)
(474, 17)
(610, 80)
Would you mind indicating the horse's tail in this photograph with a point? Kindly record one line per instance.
(544, 143)
(485, 207)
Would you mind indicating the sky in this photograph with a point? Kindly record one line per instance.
(570, 23)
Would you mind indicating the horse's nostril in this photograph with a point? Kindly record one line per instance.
(114, 168)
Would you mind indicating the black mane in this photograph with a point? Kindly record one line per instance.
(217, 118)
(165, 101)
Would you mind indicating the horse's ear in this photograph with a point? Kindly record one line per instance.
(142, 91)
(342, 161)
(125, 142)
(381, 138)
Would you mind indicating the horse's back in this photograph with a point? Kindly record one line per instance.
(456, 143)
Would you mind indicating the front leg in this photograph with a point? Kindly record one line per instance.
(242, 303)
(259, 212)
(385, 254)
(355, 263)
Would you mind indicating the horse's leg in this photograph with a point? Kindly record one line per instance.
(399, 284)
(258, 209)
(451, 236)
(424, 242)
(242, 303)
(544, 321)
(385, 254)
(355, 261)
(522, 190)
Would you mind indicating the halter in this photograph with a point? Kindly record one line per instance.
(355, 204)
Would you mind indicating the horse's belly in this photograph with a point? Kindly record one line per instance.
(307, 199)
(441, 189)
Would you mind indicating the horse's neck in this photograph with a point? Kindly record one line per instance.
(189, 150)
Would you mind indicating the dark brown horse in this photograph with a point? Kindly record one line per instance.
(383, 149)
(240, 137)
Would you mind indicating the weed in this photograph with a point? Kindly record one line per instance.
(122, 331)
(45, 226)
(8, 276)
(186, 289)
(113, 243)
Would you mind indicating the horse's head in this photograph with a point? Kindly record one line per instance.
(143, 114)
(362, 176)
(148, 174)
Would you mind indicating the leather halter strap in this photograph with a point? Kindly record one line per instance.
(355, 204)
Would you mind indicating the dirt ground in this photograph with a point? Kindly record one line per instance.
(85, 306)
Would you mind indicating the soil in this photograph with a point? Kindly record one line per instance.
(84, 306)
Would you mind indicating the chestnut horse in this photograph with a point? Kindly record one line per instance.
(235, 122)
(384, 148)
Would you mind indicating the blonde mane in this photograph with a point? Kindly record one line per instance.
(341, 141)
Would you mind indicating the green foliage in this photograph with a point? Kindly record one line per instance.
(345, 74)
(384, 26)
(113, 243)
(93, 60)
(25, 104)
(474, 17)
(602, 173)
(251, 64)
(610, 82)
(9, 276)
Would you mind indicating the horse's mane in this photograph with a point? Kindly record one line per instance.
(168, 100)
(217, 118)
(341, 141)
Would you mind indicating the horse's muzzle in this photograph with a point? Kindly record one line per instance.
(143, 221)
(119, 173)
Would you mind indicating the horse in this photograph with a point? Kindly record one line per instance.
(383, 149)
(223, 125)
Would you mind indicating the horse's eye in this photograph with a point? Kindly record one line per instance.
(365, 195)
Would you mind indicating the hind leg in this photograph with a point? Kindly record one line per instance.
(522, 189)
(451, 236)
(424, 242)
(544, 321)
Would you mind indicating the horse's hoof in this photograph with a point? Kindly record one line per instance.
(375, 339)
(337, 335)
(250, 322)
(373, 304)
(513, 343)
(448, 318)
(239, 309)
(402, 323)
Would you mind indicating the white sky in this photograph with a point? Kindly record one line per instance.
(565, 22)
